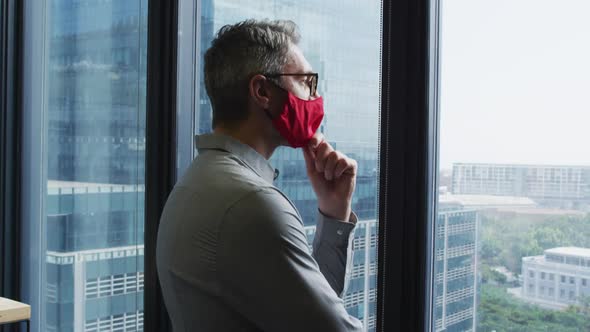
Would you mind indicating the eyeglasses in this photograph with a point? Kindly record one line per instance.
(311, 81)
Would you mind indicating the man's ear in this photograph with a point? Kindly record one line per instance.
(259, 91)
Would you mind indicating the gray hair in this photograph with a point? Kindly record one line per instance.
(238, 52)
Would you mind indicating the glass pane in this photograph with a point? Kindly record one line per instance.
(512, 250)
(349, 83)
(94, 66)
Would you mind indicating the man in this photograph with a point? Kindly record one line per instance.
(232, 253)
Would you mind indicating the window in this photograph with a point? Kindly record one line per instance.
(584, 282)
(572, 261)
(349, 83)
(84, 129)
(526, 191)
(358, 270)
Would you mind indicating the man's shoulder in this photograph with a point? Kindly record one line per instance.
(221, 178)
(267, 198)
(220, 171)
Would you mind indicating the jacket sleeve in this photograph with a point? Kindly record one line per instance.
(267, 273)
(332, 249)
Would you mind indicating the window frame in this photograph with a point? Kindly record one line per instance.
(33, 188)
(161, 142)
(408, 164)
(10, 165)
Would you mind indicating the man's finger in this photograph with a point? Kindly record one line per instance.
(309, 159)
(321, 154)
(315, 141)
(331, 162)
(345, 165)
(340, 168)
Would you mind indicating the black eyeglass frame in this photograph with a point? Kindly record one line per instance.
(313, 87)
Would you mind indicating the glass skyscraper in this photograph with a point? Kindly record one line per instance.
(455, 265)
(94, 257)
(95, 74)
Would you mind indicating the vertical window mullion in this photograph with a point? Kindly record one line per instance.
(405, 164)
(10, 78)
(33, 155)
(161, 145)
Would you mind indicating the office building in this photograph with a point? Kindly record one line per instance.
(94, 258)
(558, 278)
(549, 185)
(95, 136)
(455, 262)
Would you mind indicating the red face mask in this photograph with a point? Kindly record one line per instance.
(299, 120)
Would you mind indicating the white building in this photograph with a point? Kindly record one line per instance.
(557, 279)
(484, 202)
(560, 186)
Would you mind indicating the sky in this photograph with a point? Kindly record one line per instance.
(515, 82)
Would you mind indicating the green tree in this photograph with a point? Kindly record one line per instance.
(549, 237)
(500, 311)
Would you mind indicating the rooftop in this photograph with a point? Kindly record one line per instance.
(570, 251)
(522, 165)
(486, 200)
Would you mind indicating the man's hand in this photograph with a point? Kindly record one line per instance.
(332, 176)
